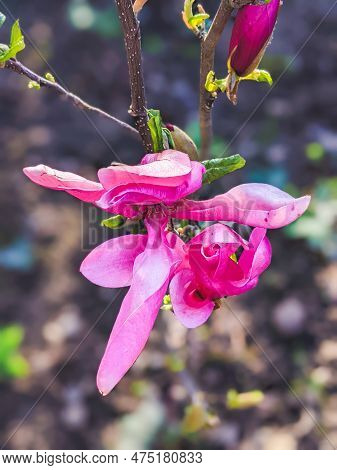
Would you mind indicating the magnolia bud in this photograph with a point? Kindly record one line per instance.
(183, 142)
(252, 31)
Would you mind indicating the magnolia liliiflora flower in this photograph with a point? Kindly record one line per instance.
(201, 271)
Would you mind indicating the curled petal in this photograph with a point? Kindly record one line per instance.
(190, 309)
(81, 188)
(257, 205)
(253, 262)
(111, 263)
(168, 168)
(257, 259)
(220, 234)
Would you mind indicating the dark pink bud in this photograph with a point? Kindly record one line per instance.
(253, 27)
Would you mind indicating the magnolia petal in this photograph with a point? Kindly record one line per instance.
(257, 205)
(111, 263)
(220, 234)
(81, 188)
(168, 168)
(138, 311)
(257, 259)
(253, 262)
(149, 194)
(189, 308)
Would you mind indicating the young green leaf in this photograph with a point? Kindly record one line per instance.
(259, 76)
(218, 167)
(198, 19)
(17, 43)
(191, 20)
(161, 136)
(155, 125)
(114, 222)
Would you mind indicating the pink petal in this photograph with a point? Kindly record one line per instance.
(149, 194)
(83, 189)
(212, 274)
(139, 309)
(253, 262)
(190, 309)
(257, 205)
(111, 263)
(257, 259)
(168, 168)
(161, 178)
(220, 234)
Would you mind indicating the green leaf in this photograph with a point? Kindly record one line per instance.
(155, 126)
(259, 76)
(218, 167)
(213, 84)
(191, 20)
(161, 136)
(198, 19)
(188, 9)
(114, 222)
(2, 19)
(17, 43)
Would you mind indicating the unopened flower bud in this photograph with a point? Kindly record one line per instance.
(252, 31)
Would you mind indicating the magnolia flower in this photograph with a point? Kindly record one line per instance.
(156, 190)
(213, 271)
(251, 34)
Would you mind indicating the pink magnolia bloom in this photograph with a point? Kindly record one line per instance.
(213, 271)
(253, 28)
(161, 184)
(154, 191)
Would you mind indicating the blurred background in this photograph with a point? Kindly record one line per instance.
(260, 374)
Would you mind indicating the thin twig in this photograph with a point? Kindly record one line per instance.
(16, 66)
(132, 40)
(208, 46)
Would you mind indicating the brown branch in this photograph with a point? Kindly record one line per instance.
(208, 45)
(132, 40)
(16, 66)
